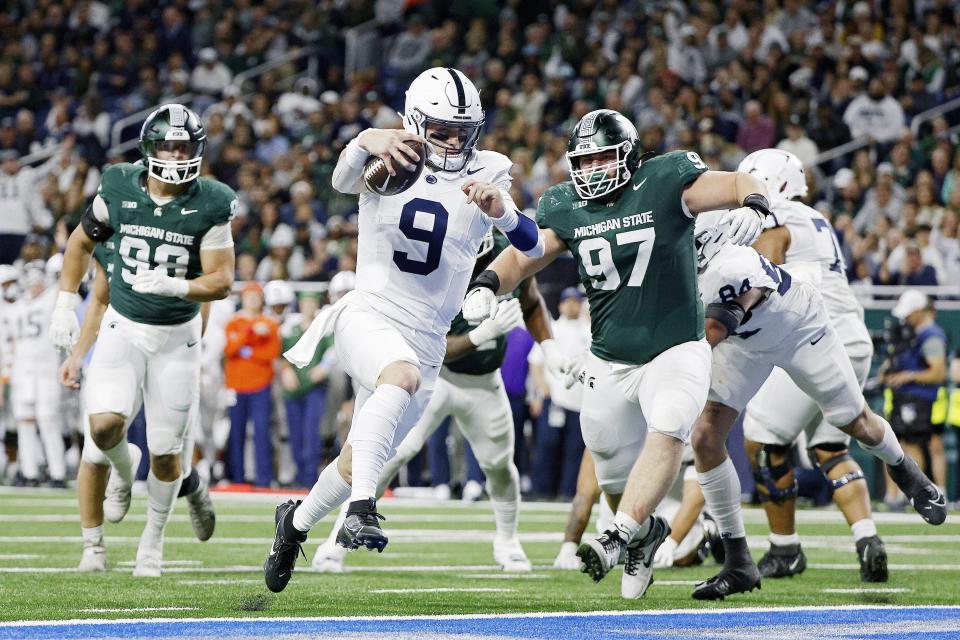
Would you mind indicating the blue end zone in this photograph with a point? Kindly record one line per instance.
(762, 624)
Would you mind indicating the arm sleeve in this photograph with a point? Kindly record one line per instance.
(100, 210)
(934, 348)
(218, 237)
(347, 174)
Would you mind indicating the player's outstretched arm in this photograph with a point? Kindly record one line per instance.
(495, 201)
(389, 144)
(725, 190)
(504, 274)
(69, 373)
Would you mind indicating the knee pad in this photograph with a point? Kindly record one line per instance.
(766, 474)
(843, 455)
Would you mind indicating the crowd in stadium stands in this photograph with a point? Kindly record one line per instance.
(721, 78)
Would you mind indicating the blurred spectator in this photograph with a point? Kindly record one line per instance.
(757, 130)
(875, 114)
(798, 143)
(558, 441)
(209, 78)
(231, 108)
(253, 344)
(304, 394)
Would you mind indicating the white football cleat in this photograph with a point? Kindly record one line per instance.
(638, 565)
(94, 559)
(330, 558)
(202, 516)
(472, 491)
(508, 553)
(116, 502)
(149, 557)
(567, 558)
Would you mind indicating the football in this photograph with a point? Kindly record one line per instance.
(379, 180)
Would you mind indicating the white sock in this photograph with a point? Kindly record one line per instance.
(782, 540)
(888, 450)
(371, 437)
(160, 498)
(629, 528)
(721, 490)
(505, 515)
(28, 449)
(329, 492)
(865, 528)
(119, 457)
(52, 437)
(92, 537)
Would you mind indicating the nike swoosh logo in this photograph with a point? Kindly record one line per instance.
(190, 344)
(793, 565)
(636, 187)
(385, 181)
(186, 212)
(470, 173)
(818, 338)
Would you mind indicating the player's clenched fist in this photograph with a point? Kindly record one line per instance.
(157, 282)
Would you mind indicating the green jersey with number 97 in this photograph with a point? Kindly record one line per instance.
(636, 258)
(148, 235)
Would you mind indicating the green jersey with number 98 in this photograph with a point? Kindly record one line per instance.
(148, 235)
(636, 258)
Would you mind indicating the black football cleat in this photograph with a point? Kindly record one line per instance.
(602, 554)
(361, 528)
(728, 582)
(873, 559)
(782, 561)
(278, 567)
(925, 496)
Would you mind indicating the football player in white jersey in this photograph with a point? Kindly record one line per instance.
(8, 293)
(415, 257)
(775, 320)
(34, 392)
(775, 417)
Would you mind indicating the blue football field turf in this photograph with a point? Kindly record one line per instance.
(841, 623)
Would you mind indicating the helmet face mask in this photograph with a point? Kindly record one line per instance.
(442, 105)
(598, 132)
(173, 130)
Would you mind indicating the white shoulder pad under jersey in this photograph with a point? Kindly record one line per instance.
(733, 271)
(813, 239)
(417, 249)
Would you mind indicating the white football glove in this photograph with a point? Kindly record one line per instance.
(744, 225)
(565, 368)
(663, 558)
(64, 326)
(508, 316)
(573, 368)
(157, 282)
(567, 558)
(480, 304)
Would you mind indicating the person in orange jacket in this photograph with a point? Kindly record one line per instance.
(253, 344)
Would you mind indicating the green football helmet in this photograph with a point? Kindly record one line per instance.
(173, 127)
(600, 131)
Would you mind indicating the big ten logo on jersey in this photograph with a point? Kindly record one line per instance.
(139, 254)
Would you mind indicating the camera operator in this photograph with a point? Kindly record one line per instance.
(914, 372)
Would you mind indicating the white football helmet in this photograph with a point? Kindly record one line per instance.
(277, 292)
(341, 284)
(709, 235)
(445, 99)
(780, 171)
